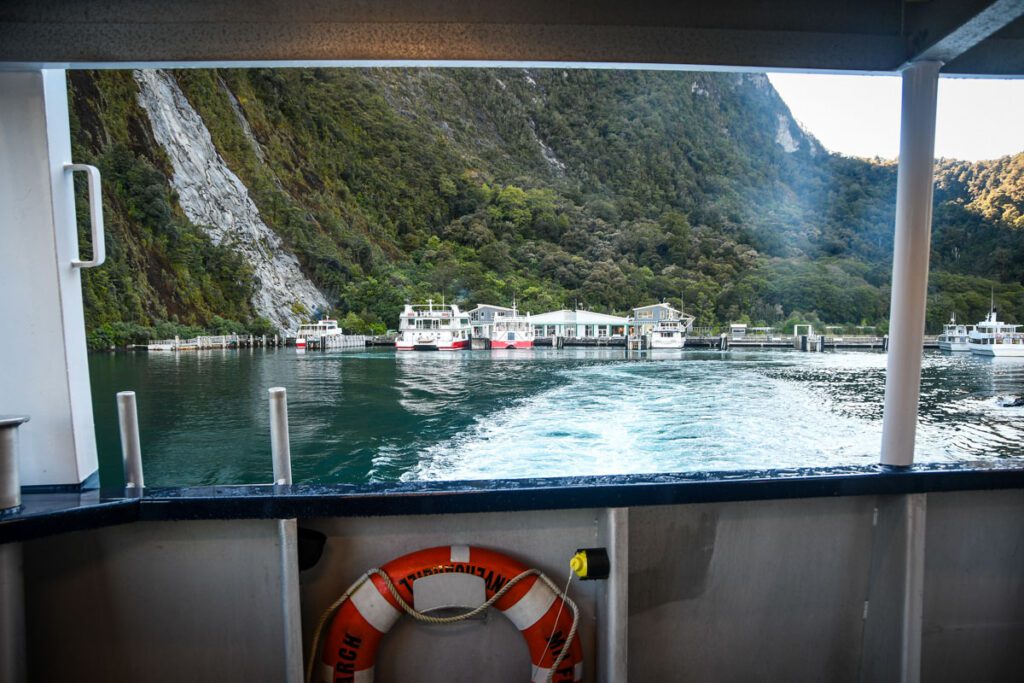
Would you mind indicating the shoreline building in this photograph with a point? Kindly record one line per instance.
(578, 323)
(482, 318)
(646, 318)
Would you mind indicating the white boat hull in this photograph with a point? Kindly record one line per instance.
(674, 342)
(998, 350)
(432, 344)
(954, 346)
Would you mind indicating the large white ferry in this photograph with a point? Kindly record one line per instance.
(992, 337)
(321, 328)
(954, 337)
(433, 328)
(512, 331)
(668, 334)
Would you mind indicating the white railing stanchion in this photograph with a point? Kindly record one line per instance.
(280, 449)
(287, 534)
(131, 449)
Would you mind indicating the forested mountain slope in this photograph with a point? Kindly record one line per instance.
(605, 189)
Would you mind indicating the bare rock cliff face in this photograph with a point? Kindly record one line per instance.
(214, 198)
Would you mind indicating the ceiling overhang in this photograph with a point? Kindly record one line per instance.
(972, 37)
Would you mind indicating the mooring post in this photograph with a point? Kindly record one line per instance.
(131, 448)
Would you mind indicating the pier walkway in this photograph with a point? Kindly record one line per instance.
(713, 341)
(331, 342)
(224, 341)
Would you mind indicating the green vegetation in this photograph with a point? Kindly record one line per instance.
(163, 275)
(604, 189)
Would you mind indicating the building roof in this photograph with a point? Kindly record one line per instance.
(566, 317)
(666, 306)
(480, 307)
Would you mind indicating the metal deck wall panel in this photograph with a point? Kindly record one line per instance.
(770, 591)
(156, 602)
(974, 587)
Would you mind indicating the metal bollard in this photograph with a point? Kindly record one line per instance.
(131, 449)
(280, 448)
(10, 480)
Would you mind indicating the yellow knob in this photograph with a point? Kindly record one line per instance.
(578, 564)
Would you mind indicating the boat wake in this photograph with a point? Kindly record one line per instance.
(680, 415)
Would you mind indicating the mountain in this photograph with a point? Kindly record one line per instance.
(249, 199)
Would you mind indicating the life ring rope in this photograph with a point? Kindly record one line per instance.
(426, 618)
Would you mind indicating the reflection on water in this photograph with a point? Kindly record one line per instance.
(381, 416)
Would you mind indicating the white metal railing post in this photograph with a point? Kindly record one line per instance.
(287, 532)
(280, 449)
(131, 448)
(911, 250)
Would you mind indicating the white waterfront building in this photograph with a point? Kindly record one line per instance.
(565, 323)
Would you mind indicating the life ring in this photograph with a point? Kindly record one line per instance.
(350, 650)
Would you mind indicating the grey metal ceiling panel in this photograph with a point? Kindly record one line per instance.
(840, 35)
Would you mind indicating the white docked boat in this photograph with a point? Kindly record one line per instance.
(433, 328)
(512, 331)
(318, 330)
(954, 337)
(668, 334)
(992, 337)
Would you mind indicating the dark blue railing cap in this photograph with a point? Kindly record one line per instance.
(45, 514)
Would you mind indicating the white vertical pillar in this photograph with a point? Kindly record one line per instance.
(911, 628)
(131, 448)
(280, 448)
(288, 535)
(45, 372)
(613, 599)
(911, 250)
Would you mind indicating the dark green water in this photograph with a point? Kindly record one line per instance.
(378, 416)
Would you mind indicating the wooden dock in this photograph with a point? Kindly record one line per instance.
(725, 342)
(224, 341)
(380, 341)
(334, 342)
(707, 341)
(829, 342)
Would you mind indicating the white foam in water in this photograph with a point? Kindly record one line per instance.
(668, 416)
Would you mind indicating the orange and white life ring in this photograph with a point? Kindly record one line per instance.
(350, 650)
